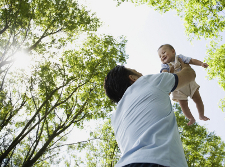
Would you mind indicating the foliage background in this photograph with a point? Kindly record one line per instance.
(58, 78)
(61, 88)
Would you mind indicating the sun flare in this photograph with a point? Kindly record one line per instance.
(22, 60)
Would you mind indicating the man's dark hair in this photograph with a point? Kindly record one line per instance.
(116, 82)
(170, 46)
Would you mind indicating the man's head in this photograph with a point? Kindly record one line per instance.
(118, 80)
(166, 53)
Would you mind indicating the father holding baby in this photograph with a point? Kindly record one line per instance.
(144, 123)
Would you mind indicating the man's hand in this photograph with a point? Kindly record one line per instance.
(183, 65)
(186, 75)
(172, 69)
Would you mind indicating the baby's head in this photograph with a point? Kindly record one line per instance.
(166, 53)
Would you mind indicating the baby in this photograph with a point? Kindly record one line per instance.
(171, 64)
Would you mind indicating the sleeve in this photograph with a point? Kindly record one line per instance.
(167, 82)
(176, 82)
(184, 58)
(165, 67)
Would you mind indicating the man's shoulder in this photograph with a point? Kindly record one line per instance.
(157, 77)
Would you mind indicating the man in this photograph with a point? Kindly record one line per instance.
(144, 124)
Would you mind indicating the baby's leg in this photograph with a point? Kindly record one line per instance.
(186, 111)
(200, 106)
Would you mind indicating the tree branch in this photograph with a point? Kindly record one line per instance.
(38, 136)
(23, 133)
(46, 158)
(86, 141)
(4, 63)
(42, 37)
(4, 29)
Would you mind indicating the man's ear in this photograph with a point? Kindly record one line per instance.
(132, 78)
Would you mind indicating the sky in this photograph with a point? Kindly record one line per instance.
(145, 30)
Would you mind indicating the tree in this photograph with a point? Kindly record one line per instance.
(101, 149)
(216, 61)
(25, 24)
(59, 95)
(201, 148)
(206, 19)
(63, 88)
(202, 19)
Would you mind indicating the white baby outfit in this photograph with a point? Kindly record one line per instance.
(188, 90)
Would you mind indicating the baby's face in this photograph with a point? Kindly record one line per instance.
(166, 54)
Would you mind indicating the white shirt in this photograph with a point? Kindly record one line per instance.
(145, 125)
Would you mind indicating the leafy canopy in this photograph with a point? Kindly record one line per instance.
(64, 85)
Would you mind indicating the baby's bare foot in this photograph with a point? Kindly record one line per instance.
(204, 118)
(192, 121)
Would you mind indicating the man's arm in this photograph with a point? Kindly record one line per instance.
(186, 75)
(198, 63)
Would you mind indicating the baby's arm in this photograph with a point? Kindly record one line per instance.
(166, 68)
(198, 63)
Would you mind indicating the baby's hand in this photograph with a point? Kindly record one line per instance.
(205, 65)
